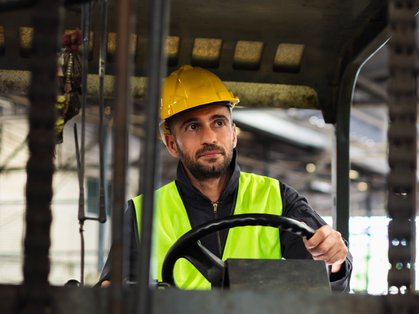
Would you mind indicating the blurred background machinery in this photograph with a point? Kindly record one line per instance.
(312, 79)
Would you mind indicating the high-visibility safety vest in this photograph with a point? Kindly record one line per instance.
(256, 194)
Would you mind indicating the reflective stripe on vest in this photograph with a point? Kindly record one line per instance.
(257, 194)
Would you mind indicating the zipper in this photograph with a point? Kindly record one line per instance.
(215, 205)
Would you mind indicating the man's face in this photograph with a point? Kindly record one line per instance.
(204, 140)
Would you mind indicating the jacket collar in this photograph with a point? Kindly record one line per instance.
(188, 190)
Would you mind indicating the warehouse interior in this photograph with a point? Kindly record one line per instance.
(313, 81)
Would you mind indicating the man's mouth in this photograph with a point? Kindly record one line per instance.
(210, 154)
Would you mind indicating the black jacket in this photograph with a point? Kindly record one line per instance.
(200, 210)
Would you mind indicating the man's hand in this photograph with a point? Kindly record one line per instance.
(105, 284)
(327, 245)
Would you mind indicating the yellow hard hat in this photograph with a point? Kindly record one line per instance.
(191, 87)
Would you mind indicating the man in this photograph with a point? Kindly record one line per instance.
(197, 127)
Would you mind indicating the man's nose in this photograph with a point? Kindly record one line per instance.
(208, 135)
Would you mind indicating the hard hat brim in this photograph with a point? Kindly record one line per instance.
(220, 103)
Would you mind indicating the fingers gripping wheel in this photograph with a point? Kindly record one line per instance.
(210, 266)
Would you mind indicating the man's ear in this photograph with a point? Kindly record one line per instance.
(170, 141)
(234, 135)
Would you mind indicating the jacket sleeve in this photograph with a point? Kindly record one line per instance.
(130, 248)
(296, 207)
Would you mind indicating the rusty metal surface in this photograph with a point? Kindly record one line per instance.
(288, 58)
(25, 41)
(248, 55)
(332, 38)
(171, 48)
(111, 46)
(17, 83)
(274, 95)
(138, 85)
(14, 82)
(206, 52)
(402, 149)
(251, 94)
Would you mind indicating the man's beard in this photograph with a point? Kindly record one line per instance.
(208, 171)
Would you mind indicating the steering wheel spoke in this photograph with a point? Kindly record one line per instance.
(209, 265)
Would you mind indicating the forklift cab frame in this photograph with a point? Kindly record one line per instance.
(318, 45)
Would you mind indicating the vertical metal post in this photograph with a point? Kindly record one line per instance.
(402, 146)
(40, 166)
(81, 215)
(156, 71)
(102, 227)
(120, 148)
(341, 162)
(85, 29)
(101, 247)
(102, 70)
(341, 141)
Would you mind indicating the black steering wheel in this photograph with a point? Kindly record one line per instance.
(209, 265)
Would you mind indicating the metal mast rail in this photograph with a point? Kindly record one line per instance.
(86, 12)
(156, 71)
(85, 29)
(402, 150)
(40, 166)
(102, 70)
(120, 149)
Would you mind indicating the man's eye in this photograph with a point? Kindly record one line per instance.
(192, 127)
(219, 123)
